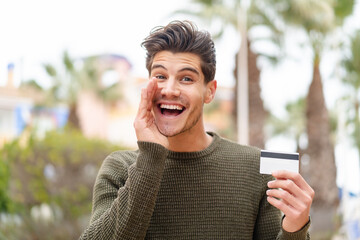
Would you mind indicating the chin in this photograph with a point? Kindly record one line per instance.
(167, 132)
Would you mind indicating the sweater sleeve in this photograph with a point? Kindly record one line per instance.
(269, 221)
(299, 235)
(124, 196)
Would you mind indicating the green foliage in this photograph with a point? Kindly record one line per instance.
(58, 171)
(32, 84)
(69, 80)
(343, 8)
(292, 125)
(351, 65)
(50, 70)
(225, 14)
(318, 18)
(5, 201)
(68, 62)
(311, 15)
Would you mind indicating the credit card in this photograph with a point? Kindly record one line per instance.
(273, 161)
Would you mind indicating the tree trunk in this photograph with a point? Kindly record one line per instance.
(322, 171)
(257, 113)
(73, 120)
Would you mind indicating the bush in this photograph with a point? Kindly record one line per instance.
(5, 201)
(51, 183)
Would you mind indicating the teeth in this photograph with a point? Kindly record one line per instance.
(172, 107)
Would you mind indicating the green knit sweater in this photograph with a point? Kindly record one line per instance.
(154, 193)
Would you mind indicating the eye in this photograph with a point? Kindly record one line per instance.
(160, 77)
(186, 79)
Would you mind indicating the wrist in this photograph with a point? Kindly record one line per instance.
(151, 156)
(292, 226)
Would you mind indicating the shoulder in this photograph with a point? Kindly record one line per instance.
(120, 159)
(246, 158)
(233, 148)
(116, 165)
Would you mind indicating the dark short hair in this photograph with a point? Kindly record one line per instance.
(182, 36)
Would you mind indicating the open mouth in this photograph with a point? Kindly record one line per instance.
(171, 110)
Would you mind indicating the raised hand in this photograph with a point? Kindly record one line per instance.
(293, 196)
(144, 123)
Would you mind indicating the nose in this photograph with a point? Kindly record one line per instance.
(169, 88)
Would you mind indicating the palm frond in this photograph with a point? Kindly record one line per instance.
(351, 63)
(68, 62)
(258, 17)
(32, 83)
(213, 12)
(343, 8)
(50, 70)
(110, 93)
(272, 59)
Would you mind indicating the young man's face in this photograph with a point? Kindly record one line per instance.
(178, 102)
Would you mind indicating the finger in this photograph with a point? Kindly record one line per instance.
(151, 90)
(294, 219)
(288, 210)
(295, 177)
(143, 104)
(302, 199)
(146, 100)
(288, 185)
(286, 197)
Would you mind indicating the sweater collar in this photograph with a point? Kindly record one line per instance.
(197, 154)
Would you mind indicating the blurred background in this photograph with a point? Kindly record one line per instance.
(70, 80)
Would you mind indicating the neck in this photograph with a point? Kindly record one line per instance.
(187, 142)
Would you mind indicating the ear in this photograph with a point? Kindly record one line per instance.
(210, 91)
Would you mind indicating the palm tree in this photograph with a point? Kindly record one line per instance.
(69, 81)
(318, 19)
(246, 72)
(64, 87)
(351, 64)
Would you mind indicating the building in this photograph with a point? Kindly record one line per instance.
(18, 110)
(13, 106)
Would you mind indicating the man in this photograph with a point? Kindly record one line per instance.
(184, 182)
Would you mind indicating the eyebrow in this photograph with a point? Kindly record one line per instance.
(157, 66)
(181, 70)
(190, 69)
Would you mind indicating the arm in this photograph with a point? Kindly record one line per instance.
(124, 196)
(124, 210)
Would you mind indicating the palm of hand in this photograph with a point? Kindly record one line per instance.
(145, 127)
